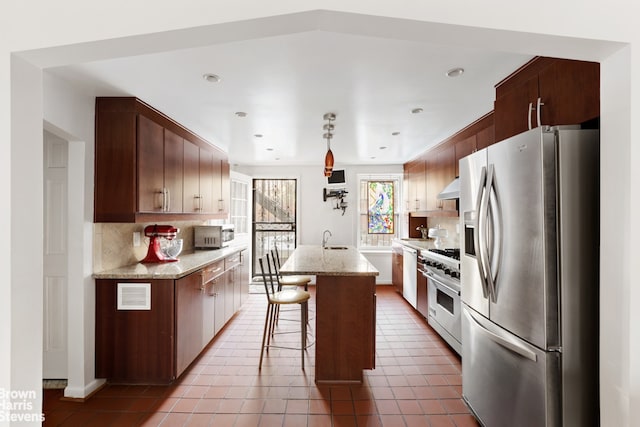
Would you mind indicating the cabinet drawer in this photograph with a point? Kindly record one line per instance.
(232, 261)
(212, 271)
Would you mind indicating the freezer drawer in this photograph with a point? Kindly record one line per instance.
(506, 381)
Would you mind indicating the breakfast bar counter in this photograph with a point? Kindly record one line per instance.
(345, 309)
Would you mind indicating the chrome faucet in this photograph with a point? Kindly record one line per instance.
(325, 239)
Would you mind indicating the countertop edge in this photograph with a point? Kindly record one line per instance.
(187, 264)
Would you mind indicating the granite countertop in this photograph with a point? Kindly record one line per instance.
(316, 260)
(416, 243)
(187, 264)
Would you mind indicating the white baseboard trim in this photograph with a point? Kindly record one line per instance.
(83, 392)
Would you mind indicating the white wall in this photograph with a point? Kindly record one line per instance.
(563, 28)
(69, 113)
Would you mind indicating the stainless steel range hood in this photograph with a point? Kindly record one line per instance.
(451, 191)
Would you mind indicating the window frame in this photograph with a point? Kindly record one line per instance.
(363, 211)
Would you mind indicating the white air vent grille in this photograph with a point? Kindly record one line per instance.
(134, 296)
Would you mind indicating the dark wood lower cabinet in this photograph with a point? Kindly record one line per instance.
(190, 297)
(156, 345)
(135, 346)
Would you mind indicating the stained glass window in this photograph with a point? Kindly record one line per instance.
(380, 213)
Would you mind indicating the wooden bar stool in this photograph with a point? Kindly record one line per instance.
(275, 299)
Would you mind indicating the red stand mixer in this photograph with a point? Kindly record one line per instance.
(155, 233)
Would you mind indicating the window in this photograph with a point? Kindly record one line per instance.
(378, 210)
(239, 206)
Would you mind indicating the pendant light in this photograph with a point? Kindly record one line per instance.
(328, 158)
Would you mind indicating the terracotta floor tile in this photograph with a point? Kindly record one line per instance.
(318, 420)
(297, 406)
(440, 421)
(392, 420)
(387, 407)
(247, 420)
(252, 406)
(319, 406)
(465, 420)
(416, 421)
(342, 407)
(199, 420)
(445, 392)
(365, 407)
(271, 420)
(295, 420)
(410, 407)
(207, 406)
(455, 406)
(432, 407)
(403, 392)
(175, 420)
(344, 421)
(185, 405)
(230, 406)
(368, 421)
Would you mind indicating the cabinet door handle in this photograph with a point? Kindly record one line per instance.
(539, 104)
(167, 200)
(529, 114)
(159, 193)
(198, 199)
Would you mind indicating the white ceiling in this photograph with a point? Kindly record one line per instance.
(286, 83)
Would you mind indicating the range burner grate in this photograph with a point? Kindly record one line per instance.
(451, 253)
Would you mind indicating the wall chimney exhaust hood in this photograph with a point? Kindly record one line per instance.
(451, 191)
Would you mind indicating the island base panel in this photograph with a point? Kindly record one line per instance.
(345, 327)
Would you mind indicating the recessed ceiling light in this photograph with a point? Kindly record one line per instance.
(417, 110)
(395, 133)
(455, 72)
(372, 157)
(241, 114)
(211, 78)
(269, 149)
(277, 158)
(383, 147)
(258, 135)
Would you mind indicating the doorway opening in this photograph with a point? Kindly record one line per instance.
(274, 219)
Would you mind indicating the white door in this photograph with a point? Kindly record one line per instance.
(55, 258)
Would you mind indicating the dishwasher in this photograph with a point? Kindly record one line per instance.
(409, 275)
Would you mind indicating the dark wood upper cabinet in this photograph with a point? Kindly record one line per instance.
(150, 168)
(463, 148)
(160, 168)
(441, 171)
(557, 91)
(416, 191)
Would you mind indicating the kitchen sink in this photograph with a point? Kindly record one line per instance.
(336, 247)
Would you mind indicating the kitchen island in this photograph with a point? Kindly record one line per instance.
(345, 309)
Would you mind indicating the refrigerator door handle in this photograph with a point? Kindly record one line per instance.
(478, 228)
(483, 225)
(504, 342)
(494, 244)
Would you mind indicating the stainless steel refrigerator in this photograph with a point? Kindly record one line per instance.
(529, 275)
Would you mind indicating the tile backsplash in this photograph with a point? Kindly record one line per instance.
(452, 225)
(113, 243)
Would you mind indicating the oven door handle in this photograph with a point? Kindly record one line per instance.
(441, 285)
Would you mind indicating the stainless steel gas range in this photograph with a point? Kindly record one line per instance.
(441, 267)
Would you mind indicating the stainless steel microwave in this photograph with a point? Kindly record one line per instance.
(212, 236)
